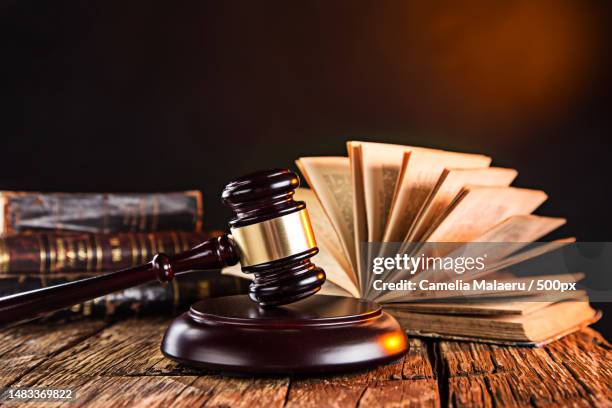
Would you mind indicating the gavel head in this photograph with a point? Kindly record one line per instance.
(274, 238)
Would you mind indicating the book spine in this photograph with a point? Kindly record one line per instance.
(57, 253)
(100, 213)
(157, 297)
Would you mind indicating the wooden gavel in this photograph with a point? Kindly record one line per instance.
(271, 237)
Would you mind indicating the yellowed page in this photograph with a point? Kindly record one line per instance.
(449, 186)
(491, 267)
(328, 244)
(325, 234)
(520, 306)
(529, 253)
(515, 233)
(380, 169)
(521, 229)
(421, 172)
(330, 179)
(359, 210)
(376, 167)
(476, 210)
(543, 325)
(479, 208)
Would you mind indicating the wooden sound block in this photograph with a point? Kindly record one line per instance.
(319, 334)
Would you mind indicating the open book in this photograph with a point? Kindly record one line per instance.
(384, 193)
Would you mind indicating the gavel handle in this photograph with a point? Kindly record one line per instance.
(212, 254)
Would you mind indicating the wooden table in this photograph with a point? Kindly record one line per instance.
(119, 364)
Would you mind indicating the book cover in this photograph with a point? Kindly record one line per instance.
(22, 211)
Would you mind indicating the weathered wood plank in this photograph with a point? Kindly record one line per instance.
(130, 347)
(462, 359)
(175, 391)
(469, 392)
(125, 359)
(319, 393)
(401, 393)
(102, 391)
(199, 392)
(339, 391)
(163, 391)
(121, 365)
(24, 347)
(417, 364)
(588, 358)
(574, 371)
(241, 392)
(410, 380)
(506, 390)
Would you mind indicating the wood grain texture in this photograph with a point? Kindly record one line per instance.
(129, 347)
(574, 371)
(120, 365)
(25, 347)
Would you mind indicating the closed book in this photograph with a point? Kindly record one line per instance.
(51, 253)
(100, 212)
(532, 324)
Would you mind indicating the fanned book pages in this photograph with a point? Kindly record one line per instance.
(427, 202)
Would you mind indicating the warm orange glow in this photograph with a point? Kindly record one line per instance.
(393, 342)
(486, 62)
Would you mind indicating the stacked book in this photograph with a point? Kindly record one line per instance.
(54, 238)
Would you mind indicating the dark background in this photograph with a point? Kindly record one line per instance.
(140, 95)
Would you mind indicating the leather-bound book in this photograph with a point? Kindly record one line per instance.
(52, 253)
(100, 212)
